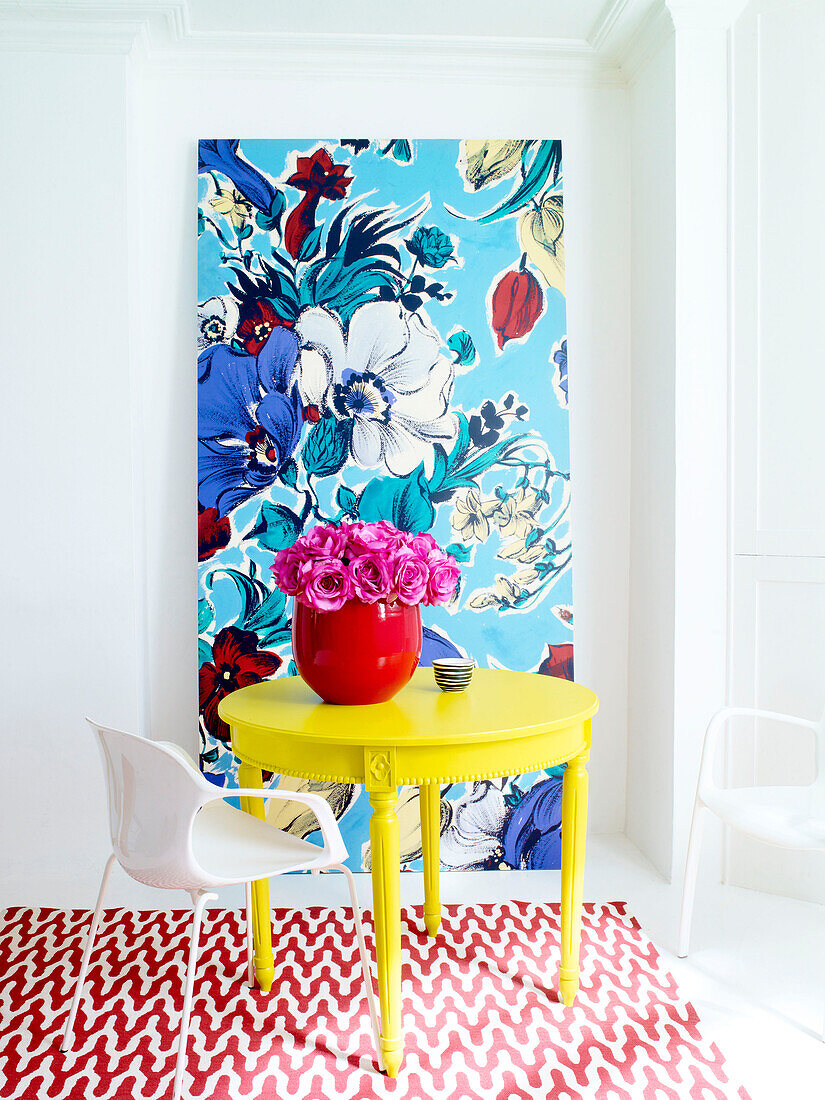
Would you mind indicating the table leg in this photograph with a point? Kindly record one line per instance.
(250, 776)
(573, 833)
(386, 893)
(429, 802)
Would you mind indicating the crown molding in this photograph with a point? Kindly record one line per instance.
(625, 36)
(161, 33)
(450, 59)
(88, 26)
(655, 30)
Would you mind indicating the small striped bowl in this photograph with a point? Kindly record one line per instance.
(453, 673)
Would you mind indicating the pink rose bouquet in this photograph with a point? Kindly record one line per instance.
(368, 562)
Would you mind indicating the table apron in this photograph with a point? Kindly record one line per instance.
(333, 762)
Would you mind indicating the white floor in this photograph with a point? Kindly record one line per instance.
(756, 972)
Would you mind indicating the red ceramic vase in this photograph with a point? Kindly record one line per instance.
(362, 653)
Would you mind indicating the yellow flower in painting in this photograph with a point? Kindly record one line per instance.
(506, 590)
(525, 577)
(408, 812)
(299, 820)
(515, 515)
(471, 517)
(234, 205)
(481, 600)
(486, 162)
(541, 235)
(519, 551)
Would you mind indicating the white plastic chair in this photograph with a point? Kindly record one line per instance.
(173, 829)
(790, 817)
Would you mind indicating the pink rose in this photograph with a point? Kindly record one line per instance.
(377, 538)
(325, 584)
(410, 577)
(444, 574)
(287, 568)
(326, 540)
(371, 576)
(423, 544)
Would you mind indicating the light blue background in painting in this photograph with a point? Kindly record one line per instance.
(513, 639)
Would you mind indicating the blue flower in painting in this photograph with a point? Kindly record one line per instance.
(223, 156)
(249, 419)
(532, 833)
(436, 644)
(560, 376)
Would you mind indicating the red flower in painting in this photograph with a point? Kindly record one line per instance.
(213, 532)
(257, 325)
(236, 663)
(320, 179)
(517, 303)
(558, 662)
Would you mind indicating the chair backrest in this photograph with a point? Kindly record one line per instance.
(153, 798)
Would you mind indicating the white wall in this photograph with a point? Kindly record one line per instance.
(653, 462)
(778, 560)
(68, 589)
(103, 288)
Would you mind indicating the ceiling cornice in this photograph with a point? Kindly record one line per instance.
(626, 34)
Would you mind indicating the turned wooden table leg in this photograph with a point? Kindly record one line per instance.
(250, 776)
(429, 800)
(386, 890)
(573, 833)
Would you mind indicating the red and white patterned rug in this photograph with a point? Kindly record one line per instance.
(481, 1014)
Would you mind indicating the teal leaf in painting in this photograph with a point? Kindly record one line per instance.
(263, 609)
(277, 526)
(327, 446)
(399, 149)
(462, 346)
(404, 501)
(347, 501)
(289, 474)
(270, 621)
(271, 220)
(206, 615)
(459, 551)
(311, 244)
(204, 652)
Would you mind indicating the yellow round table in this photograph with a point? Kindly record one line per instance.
(506, 723)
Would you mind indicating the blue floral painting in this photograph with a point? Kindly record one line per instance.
(382, 335)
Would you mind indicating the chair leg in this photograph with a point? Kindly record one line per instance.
(84, 966)
(250, 943)
(365, 962)
(200, 900)
(700, 812)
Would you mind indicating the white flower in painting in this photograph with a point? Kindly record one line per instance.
(473, 837)
(217, 321)
(387, 375)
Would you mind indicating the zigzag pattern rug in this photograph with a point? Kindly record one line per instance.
(481, 1014)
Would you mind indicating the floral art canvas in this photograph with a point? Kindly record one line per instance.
(381, 335)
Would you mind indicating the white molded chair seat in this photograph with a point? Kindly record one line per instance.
(171, 828)
(230, 845)
(790, 817)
